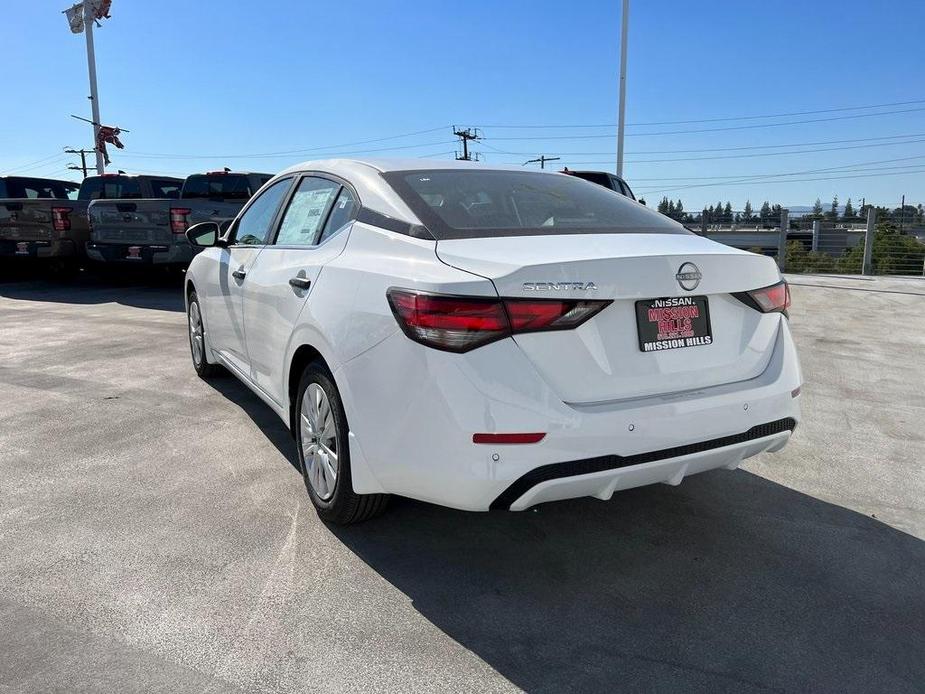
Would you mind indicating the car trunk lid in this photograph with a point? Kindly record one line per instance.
(603, 360)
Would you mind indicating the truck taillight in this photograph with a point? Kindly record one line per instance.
(61, 218)
(459, 323)
(178, 221)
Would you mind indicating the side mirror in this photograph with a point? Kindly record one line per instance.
(204, 235)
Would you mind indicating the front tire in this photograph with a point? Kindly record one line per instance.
(197, 339)
(321, 431)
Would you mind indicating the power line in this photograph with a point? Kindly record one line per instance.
(257, 155)
(730, 149)
(716, 120)
(35, 164)
(710, 130)
(766, 178)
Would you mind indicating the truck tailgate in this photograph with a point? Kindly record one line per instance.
(140, 222)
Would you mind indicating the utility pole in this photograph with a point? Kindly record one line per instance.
(83, 159)
(902, 213)
(94, 96)
(542, 160)
(620, 122)
(465, 136)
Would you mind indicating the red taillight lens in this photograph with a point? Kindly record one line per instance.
(528, 315)
(458, 324)
(775, 298)
(178, 223)
(61, 218)
(455, 324)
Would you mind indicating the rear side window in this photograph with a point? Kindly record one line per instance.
(473, 203)
(344, 210)
(307, 211)
(165, 188)
(217, 187)
(23, 187)
(109, 188)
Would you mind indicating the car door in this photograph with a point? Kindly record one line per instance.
(283, 276)
(248, 236)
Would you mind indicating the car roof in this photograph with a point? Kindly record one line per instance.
(405, 164)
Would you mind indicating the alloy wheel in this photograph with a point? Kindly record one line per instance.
(195, 333)
(319, 441)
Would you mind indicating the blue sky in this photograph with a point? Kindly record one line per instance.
(202, 84)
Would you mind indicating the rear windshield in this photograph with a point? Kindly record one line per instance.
(109, 188)
(165, 188)
(217, 187)
(23, 187)
(473, 203)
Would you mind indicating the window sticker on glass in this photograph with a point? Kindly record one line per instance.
(306, 212)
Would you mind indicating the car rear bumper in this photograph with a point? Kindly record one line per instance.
(415, 437)
(140, 254)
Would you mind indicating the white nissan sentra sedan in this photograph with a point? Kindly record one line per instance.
(489, 338)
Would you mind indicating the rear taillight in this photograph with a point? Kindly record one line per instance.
(178, 221)
(61, 218)
(458, 324)
(775, 298)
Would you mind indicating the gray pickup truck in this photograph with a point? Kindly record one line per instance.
(40, 218)
(152, 232)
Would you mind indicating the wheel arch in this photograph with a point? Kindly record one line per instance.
(304, 355)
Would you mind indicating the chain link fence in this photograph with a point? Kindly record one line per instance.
(875, 241)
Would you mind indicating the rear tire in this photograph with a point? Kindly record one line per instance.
(320, 427)
(197, 339)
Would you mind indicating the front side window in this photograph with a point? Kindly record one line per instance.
(254, 224)
(307, 211)
(474, 203)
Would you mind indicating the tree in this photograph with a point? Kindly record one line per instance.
(727, 213)
(849, 210)
(832, 214)
(663, 205)
(817, 209)
(679, 210)
(892, 253)
(747, 213)
(765, 215)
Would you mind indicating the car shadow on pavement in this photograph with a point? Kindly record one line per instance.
(264, 418)
(157, 291)
(729, 582)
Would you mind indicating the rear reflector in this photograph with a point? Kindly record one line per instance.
(775, 298)
(461, 323)
(508, 438)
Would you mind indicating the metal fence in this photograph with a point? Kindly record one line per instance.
(881, 242)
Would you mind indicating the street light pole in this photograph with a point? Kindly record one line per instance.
(626, 19)
(94, 97)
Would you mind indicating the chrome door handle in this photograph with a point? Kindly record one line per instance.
(300, 283)
(240, 273)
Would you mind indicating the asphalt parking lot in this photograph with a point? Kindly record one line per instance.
(156, 535)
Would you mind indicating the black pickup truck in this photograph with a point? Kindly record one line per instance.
(152, 232)
(45, 221)
(602, 178)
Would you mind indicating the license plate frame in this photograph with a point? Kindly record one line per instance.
(678, 322)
